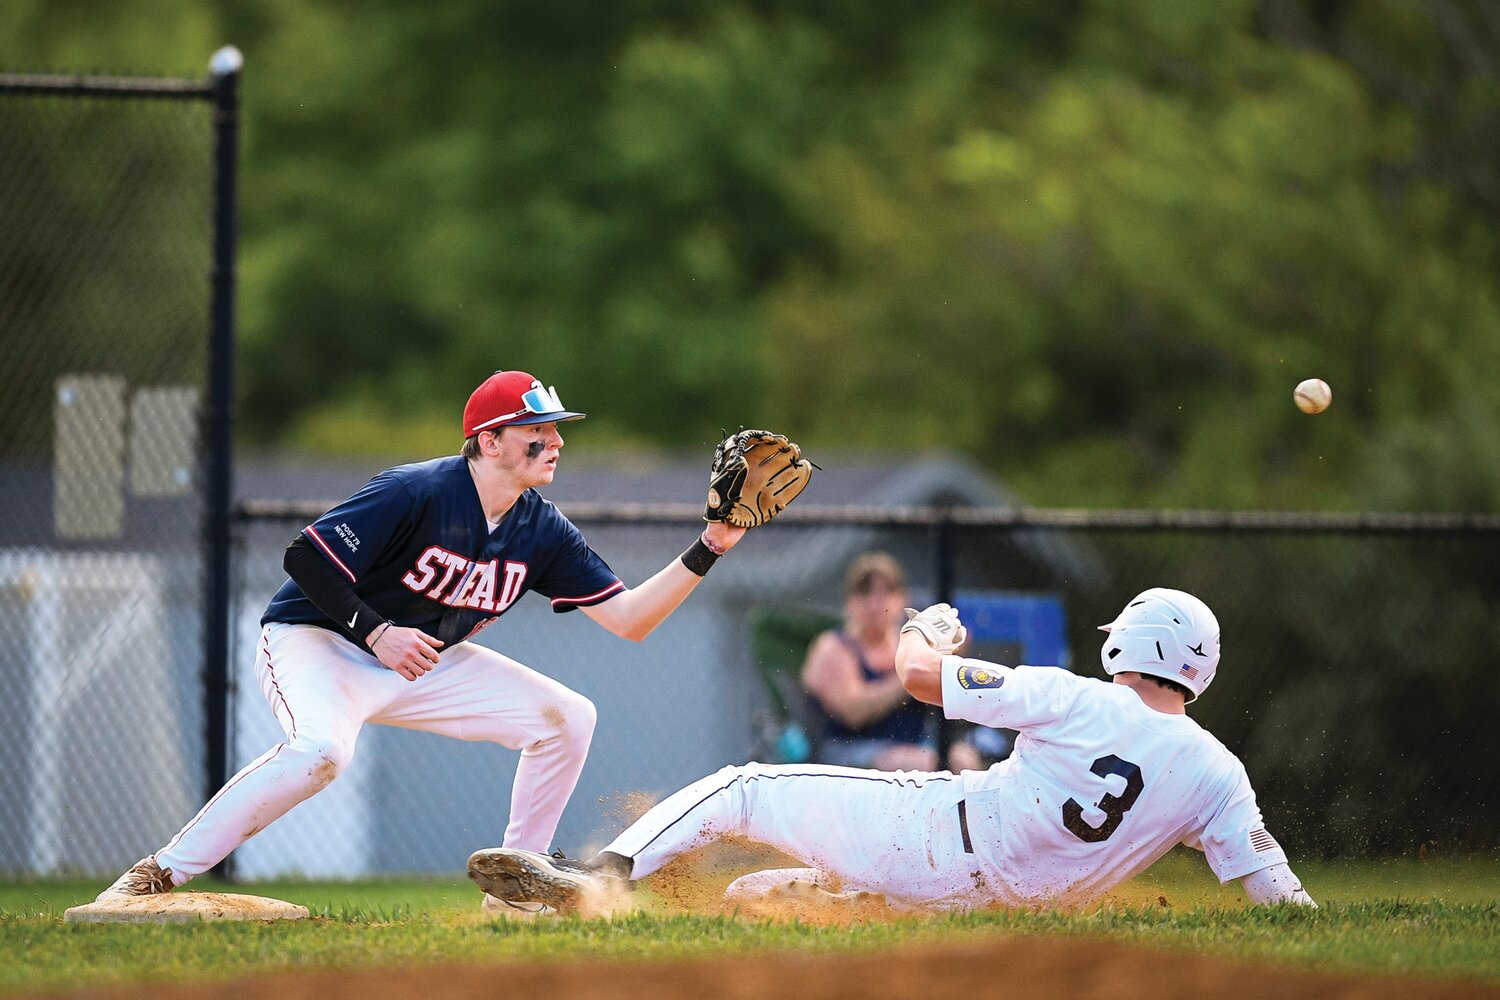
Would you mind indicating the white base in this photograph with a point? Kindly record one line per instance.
(184, 907)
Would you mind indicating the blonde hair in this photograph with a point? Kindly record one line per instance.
(872, 568)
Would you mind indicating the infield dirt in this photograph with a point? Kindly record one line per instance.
(1006, 967)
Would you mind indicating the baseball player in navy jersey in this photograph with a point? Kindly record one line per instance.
(1105, 778)
(371, 626)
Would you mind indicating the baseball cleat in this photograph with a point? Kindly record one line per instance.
(144, 878)
(501, 909)
(517, 876)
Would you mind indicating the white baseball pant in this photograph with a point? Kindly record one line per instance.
(323, 689)
(893, 832)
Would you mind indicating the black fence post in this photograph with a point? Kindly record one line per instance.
(225, 70)
(942, 554)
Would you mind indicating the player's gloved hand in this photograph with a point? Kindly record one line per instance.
(755, 474)
(408, 651)
(939, 625)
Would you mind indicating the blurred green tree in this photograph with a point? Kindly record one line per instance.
(1094, 244)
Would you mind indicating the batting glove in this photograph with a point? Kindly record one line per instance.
(939, 625)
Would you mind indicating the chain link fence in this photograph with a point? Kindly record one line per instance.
(1356, 683)
(106, 201)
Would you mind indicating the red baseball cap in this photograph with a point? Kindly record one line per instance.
(509, 399)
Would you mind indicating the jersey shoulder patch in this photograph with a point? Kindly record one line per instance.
(972, 676)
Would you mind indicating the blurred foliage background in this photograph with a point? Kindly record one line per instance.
(1094, 244)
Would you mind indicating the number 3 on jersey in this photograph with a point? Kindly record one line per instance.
(1115, 806)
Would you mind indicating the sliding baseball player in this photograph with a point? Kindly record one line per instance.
(1105, 779)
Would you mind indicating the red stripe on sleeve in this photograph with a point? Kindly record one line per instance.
(323, 546)
(617, 585)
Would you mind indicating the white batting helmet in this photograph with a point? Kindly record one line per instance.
(1165, 633)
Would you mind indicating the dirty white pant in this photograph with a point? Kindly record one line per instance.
(323, 689)
(894, 832)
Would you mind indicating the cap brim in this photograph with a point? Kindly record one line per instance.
(540, 418)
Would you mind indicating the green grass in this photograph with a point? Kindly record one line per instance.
(1434, 917)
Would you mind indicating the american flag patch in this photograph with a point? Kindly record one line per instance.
(1191, 673)
(1262, 841)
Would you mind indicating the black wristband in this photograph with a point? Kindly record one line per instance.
(699, 558)
(366, 620)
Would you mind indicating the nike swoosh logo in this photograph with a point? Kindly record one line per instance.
(352, 619)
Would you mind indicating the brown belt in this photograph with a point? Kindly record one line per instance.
(963, 826)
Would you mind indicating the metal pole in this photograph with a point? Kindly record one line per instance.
(224, 68)
(942, 552)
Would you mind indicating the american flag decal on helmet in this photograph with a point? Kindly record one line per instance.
(1191, 673)
(1262, 840)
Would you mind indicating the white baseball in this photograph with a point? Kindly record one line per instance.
(1312, 395)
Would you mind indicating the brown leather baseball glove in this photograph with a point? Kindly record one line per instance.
(755, 474)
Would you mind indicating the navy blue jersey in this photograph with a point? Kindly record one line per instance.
(416, 548)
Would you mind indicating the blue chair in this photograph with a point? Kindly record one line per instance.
(1012, 628)
(1032, 625)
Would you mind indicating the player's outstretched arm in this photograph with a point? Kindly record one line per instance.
(634, 613)
(755, 474)
(1276, 884)
(920, 668)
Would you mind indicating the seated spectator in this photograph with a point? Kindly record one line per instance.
(851, 675)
